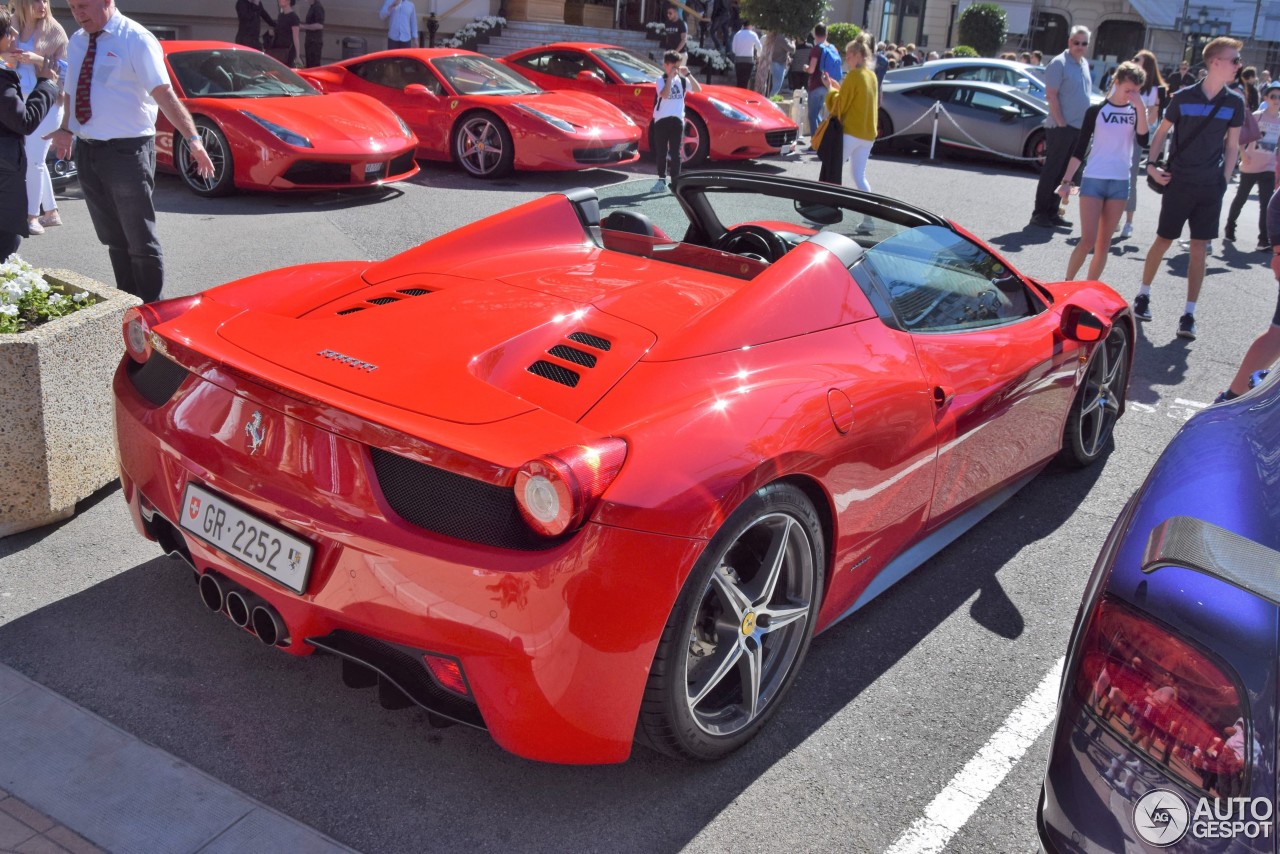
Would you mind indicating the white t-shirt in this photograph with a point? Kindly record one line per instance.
(745, 44)
(671, 106)
(1112, 131)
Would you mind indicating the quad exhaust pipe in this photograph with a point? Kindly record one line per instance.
(247, 610)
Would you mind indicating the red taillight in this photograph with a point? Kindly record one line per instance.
(1168, 699)
(140, 320)
(448, 672)
(556, 492)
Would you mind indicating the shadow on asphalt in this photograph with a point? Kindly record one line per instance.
(141, 650)
(15, 543)
(1164, 365)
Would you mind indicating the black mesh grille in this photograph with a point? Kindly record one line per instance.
(313, 172)
(591, 340)
(779, 138)
(573, 354)
(612, 154)
(554, 372)
(413, 292)
(403, 666)
(352, 310)
(156, 379)
(382, 300)
(401, 164)
(453, 505)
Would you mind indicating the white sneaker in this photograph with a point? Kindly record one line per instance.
(34, 227)
(1126, 231)
(659, 186)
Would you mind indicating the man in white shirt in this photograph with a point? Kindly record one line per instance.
(116, 82)
(746, 47)
(402, 23)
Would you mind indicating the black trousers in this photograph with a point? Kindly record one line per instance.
(117, 177)
(1266, 184)
(312, 52)
(667, 135)
(9, 241)
(1058, 144)
(743, 67)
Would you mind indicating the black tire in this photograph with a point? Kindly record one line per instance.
(1035, 148)
(695, 145)
(734, 617)
(215, 144)
(1092, 419)
(482, 145)
(884, 129)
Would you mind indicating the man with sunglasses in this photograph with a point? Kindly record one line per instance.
(1067, 85)
(1205, 121)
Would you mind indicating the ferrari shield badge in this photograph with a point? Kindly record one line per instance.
(453, 105)
(255, 432)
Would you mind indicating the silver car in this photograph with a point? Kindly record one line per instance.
(983, 118)
(1003, 71)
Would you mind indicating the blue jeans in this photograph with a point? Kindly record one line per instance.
(817, 108)
(117, 177)
(779, 70)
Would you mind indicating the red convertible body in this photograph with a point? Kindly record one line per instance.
(564, 477)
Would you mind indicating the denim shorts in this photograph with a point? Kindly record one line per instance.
(1107, 189)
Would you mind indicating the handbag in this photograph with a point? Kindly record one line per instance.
(1154, 185)
(1249, 131)
(815, 141)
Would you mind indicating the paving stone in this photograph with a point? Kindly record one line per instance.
(13, 832)
(40, 845)
(73, 842)
(37, 821)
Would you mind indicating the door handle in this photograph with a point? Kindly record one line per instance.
(942, 396)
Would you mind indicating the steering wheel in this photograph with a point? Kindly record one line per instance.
(754, 241)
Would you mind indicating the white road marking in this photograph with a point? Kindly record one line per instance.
(974, 783)
(1179, 409)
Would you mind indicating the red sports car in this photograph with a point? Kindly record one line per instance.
(721, 122)
(572, 478)
(467, 108)
(266, 128)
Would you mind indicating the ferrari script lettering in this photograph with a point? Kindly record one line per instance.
(349, 361)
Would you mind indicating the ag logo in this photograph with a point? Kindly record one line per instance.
(1160, 817)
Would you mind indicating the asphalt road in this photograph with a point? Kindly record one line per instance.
(891, 704)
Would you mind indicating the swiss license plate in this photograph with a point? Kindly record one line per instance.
(262, 546)
(372, 168)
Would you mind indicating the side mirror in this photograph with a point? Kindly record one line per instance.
(1009, 112)
(591, 77)
(418, 89)
(1079, 324)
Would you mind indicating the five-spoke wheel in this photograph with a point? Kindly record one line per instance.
(483, 146)
(221, 182)
(1099, 401)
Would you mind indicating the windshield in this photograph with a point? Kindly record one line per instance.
(479, 75)
(235, 74)
(628, 66)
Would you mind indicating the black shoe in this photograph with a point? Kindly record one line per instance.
(1225, 396)
(1187, 327)
(1229, 232)
(1060, 222)
(1142, 306)
(1041, 221)
(1262, 246)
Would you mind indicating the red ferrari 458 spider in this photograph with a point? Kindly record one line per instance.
(266, 128)
(721, 122)
(598, 468)
(466, 107)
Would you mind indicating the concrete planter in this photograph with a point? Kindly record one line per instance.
(57, 433)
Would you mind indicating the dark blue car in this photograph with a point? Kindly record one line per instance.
(1166, 727)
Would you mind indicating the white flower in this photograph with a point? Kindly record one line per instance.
(9, 310)
(80, 297)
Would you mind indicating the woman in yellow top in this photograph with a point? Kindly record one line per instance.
(855, 103)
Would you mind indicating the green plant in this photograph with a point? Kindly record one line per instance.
(784, 16)
(963, 50)
(983, 26)
(26, 299)
(841, 34)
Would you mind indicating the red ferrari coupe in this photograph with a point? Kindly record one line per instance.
(467, 108)
(266, 128)
(598, 468)
(721, 122)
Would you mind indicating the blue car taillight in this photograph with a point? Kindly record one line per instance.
(1168, 700)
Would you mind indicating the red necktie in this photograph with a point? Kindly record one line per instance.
(84, 111)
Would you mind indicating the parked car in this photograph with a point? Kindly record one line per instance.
(721, 122)
(265, 128)
(1005, 72)
(1168, 705)
(984, 118)
(598, 467)
(468, 108)
(60, 171)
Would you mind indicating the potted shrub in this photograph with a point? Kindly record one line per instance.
(59, 346)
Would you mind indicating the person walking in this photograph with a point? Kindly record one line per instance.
(1205, 120)
(1155, 95)
(1265, 349)
(675, 36)
(41, 42)
(784, 48)
(667, 126)
(19, 116)
(1258, 168)
(1110, 132)
(402, 23)
(746, 49)
(1067, 85)
(824, 63)
(112, 119)
(249, 18)
(313, 40)
(854, 102)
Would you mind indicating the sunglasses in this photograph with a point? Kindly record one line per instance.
(1079, 44)
(1235, 60)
